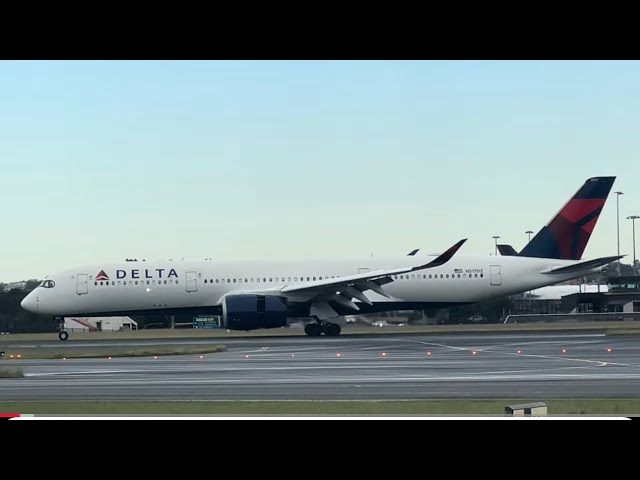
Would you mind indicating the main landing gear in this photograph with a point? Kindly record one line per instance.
(62, 334)
(316, 329)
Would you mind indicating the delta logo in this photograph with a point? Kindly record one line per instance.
(102, 276)
(139, 274)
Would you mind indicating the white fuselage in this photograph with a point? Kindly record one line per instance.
(173, 286)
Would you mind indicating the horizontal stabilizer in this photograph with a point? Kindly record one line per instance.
(587, 265)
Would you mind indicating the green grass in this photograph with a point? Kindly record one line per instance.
(11, 373)
(427, 407)
(100, 352)
(348, 330)
(624, 331)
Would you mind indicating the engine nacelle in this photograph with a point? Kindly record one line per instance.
(251, 312)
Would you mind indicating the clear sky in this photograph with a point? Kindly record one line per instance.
(100, 161)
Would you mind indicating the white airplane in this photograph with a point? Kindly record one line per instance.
(264, 294)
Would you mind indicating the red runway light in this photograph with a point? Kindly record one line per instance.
(155, 357)
(474, 352)
(109, 358)
(609, 350)
(64, 358)
(428, 353)
(246, 356)
(201, 356)
(519, 352)
(337, 354)
(384, 354)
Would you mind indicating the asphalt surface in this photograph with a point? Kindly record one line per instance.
(524, 365)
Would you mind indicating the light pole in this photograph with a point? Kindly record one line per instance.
(633, 219)
(618, 228)
(618, 217)
(529, 232)
(496, 237)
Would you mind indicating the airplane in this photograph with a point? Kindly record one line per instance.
(251, 295)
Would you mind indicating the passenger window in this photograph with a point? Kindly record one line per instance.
(295, 279)
(264, 279)
(205, 280)
(118, 282)
(136, 282)
(228, 280)
(441, 276)
(289, 279)
(95, 283)
(447, 275)
(252, 280)
(246, 280)
(217, 280)
(413, 276)
(481, 275)
(234, 280)
(429, 275)
(165, 282)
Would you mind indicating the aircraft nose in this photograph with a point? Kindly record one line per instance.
(30, 303)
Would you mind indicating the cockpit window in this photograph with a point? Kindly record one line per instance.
(48, 284)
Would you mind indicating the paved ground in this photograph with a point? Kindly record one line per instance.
(529, 366)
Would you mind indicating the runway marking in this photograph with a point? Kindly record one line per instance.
(90, 372)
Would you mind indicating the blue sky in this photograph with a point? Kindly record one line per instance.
(101, 161)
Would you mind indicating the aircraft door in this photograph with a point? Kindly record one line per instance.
(496, 275)
(192, 282)
(82, 287)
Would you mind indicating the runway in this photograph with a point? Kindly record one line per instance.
(535, 366)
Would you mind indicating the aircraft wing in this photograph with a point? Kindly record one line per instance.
(507, 250)
(586, 265)
(342, 290)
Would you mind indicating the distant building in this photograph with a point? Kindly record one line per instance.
(99, 324)
(549, 300)
(622, 296)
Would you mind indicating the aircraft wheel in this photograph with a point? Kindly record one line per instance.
(63, 335)
(313, 329)
(332, 329)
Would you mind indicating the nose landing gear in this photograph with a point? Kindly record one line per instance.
(62, 333)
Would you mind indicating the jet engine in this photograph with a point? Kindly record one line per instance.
(251, 312)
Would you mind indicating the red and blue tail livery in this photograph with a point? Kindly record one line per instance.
(567, 234)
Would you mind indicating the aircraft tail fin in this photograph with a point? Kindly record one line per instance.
(567, 234)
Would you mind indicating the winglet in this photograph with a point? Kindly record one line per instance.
(443, 258)
(412, 252)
